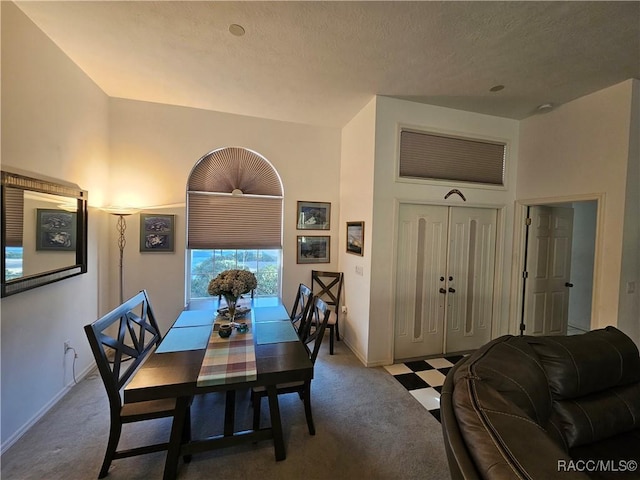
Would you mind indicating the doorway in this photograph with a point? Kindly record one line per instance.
(444, 279)
(558, 268)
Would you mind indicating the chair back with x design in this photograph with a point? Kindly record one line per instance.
(328, 286)
(119, 350)
(300, 310)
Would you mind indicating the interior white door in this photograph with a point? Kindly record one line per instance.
(548, 270)
(444, 279)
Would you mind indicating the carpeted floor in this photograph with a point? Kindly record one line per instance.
(368, 426)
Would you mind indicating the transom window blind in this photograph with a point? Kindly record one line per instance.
(430, 156)
(234, 200)
(13, 209)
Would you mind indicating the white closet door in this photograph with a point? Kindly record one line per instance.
(444, 279)
(421, 263)
(471, 270)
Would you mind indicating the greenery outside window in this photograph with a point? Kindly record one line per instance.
(206, 264)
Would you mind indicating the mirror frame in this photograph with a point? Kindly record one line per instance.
(23, 182)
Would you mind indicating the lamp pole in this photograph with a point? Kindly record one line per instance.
(121, 226)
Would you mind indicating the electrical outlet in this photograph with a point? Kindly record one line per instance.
(344, 309)
(67, 346)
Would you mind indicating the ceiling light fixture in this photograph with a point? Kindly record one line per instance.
(545, 107)
(496, 88)
(237, 30)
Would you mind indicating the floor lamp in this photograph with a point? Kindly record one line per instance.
(121, 227)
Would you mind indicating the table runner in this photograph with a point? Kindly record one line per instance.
(228, 360)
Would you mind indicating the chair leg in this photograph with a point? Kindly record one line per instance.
(307, 408)
(112, 445)
(186, 433)
(337, 331)
(256, 410)
(331, 339)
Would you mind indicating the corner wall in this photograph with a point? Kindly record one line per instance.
(356, 204)
(54, 123)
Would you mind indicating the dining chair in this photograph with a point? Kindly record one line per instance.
(300, 310)
(319, 316)
(328, 286)
(120, 342)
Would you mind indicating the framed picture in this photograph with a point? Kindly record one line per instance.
(55, 230)
(355, 238)
(314, 249)
(157, 232)
(314, 216)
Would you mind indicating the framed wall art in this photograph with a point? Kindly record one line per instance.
(314, 249)
(313, 216)
(355, 238)
(157, 232)
(55, 230)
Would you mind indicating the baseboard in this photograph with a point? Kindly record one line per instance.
(43, 411)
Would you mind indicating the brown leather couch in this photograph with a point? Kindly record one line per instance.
(545, 408)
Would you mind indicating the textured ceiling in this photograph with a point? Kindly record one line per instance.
(321, 62)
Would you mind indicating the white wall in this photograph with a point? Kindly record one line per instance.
(582, 148)
(153, 149)
(54, 123)
(390, 115)
(356, 204)
(629, 306)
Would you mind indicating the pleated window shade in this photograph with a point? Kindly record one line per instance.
(13, 209)
(219, 220)
(429, 156)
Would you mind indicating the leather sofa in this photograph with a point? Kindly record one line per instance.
(545, 408)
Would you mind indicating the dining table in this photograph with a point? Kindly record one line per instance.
(194, 359)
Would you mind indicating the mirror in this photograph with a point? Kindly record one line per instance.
(44, 232)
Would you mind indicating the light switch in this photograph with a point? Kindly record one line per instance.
(359, 270)
(631, 287)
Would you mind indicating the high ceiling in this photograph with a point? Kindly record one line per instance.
(320, 62)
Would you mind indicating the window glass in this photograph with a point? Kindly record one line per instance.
(205, 265)
(13, 263)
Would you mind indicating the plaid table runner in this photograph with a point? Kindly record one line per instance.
(229, 360)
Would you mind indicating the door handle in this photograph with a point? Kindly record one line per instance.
(568, 284)
(442, 290)
(452, 290)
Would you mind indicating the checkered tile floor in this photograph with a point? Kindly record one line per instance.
(424, 379)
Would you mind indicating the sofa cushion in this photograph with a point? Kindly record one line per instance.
(501, 399)
(582, 364)
(598, 416)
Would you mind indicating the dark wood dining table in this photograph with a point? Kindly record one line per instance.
(174, 371)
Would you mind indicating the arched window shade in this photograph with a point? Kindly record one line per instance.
(234, 200)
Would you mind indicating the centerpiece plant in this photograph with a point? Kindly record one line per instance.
(231, 284)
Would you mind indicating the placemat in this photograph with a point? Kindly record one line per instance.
(195, 318)
(275, 332)
(228, 360)
(182, 339)
(270, 314)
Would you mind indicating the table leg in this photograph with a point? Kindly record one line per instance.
(230, 413)
(276, 423)
(175, 441)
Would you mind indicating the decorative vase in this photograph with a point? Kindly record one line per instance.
(231, 305)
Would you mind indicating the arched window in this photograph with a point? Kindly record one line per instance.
(234, 219)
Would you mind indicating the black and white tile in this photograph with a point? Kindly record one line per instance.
(424, 379)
